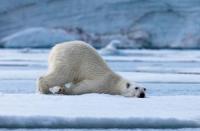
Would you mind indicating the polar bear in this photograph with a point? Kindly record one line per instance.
(78, 63)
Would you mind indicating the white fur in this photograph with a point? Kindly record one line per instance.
(78, 63)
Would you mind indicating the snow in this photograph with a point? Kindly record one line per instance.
(157, 56)
(171, 77)
(111, 48)
(98, 111)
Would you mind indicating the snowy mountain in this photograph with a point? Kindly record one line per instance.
(136, 23)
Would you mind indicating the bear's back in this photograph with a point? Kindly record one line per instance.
(82, 57)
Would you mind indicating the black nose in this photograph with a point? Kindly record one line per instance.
(142, 95)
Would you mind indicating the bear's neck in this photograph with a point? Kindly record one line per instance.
(113, 87)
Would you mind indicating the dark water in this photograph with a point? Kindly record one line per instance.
(183, 129)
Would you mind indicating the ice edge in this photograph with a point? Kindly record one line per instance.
(86, 122)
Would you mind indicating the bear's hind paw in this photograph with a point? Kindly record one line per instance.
(57, 90)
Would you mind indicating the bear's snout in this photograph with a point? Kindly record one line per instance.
(142, 95)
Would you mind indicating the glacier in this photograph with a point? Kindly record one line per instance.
(136, 23)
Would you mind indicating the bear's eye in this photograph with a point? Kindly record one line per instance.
(145, 89)
(127, 85)
(136, 88)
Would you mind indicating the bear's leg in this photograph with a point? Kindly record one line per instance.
(49, 81)
(43, 86)
(83, 87)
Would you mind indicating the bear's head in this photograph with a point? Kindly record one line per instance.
(131, 89)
